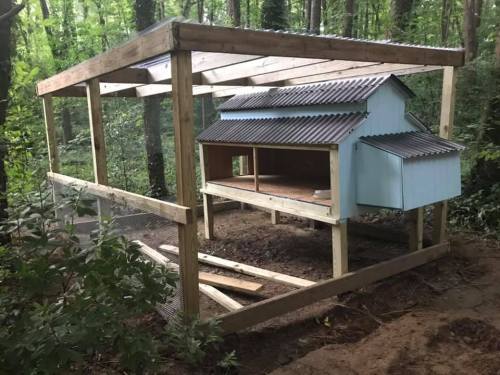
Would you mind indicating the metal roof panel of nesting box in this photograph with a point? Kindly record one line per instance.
(309, 130)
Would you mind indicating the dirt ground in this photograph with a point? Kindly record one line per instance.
(441, 318)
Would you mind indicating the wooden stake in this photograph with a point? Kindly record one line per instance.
(415, 222)
(185, 176)
(445, 131)
(208, 215)
(275, 217)
(256, 167)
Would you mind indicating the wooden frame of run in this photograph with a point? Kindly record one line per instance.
(224, 61)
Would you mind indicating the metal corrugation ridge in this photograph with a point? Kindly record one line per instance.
(412, 144)
(309, 130)
(338, 91)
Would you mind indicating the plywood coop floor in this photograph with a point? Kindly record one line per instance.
(281, 186)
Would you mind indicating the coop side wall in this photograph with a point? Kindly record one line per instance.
(386, 114)
(431, 179)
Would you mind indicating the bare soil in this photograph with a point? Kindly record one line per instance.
(441, 318)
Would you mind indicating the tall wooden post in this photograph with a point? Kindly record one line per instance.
(98, 141)
(54, 164)
(339, 231)
(445, 130)
(208, 214)
(182, 97)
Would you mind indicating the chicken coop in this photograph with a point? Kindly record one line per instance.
(320, 128)
(325, 152)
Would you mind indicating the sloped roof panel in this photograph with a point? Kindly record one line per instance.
(412, 144)
(310, 130)
(338, 91)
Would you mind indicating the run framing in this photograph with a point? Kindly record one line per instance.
(205, 59)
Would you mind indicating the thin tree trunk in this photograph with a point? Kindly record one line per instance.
(470, 36)
(315, 16)
(66, 125)
(308, 5)
(445, 21)
(234, 11)
(201, 12)
(144, 10)
(7, 14)
(349, 17)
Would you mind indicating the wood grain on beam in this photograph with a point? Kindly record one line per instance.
(142, 47)
(223, 39)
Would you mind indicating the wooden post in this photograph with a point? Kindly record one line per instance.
(445, 131)
(256, 167)
(339, 232)
(54, 163)
(98, 142)
(243, 172)
(208, 214)
(415, 223)
(275, 217)
(185, 176)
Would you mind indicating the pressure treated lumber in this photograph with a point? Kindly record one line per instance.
(339, 249)
(223, 39)
(275, 217)
(48, 113)
(291, 301)
(208, 290)
(140, 48)
(183, 121)
(172, 211)
(445, 131)
(244, 268)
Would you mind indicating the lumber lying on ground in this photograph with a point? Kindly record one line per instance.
(207, 290)
(245, 268)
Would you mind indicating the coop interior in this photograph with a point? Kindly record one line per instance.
(302, 175)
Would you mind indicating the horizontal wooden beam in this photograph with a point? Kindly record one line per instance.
(205, 288)
(168, 210)
(140, 48)
(197, 37)
(287, 205)
(396, 69)
(285, 303)
(244, 268)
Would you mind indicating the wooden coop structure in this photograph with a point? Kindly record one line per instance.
(183, 60)
(327, 152)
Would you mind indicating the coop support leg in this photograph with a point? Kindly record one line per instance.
(275, 217)
(208, 216)
(339, 248)
(415, 223)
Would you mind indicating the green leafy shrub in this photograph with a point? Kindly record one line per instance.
(64, 305)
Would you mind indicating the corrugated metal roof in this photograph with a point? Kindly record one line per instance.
(310, 130)
(412, 144)
(338, 91)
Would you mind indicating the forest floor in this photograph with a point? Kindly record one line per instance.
(441, 318)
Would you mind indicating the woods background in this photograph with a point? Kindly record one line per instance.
(41, 37)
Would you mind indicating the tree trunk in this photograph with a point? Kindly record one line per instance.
(470, 28)
(200, 9)
(274, 15)
(7, 13)
(234, 11)
(315, 16)
(66, 125)
(401, 17)
(445, 21)
(144, 11)
(349, 17)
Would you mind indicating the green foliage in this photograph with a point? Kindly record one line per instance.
(274, 15)
(65, 305)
